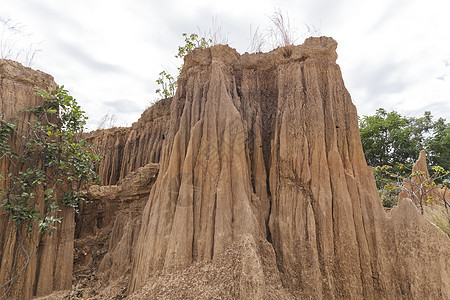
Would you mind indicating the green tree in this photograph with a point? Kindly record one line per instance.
(168, 83)
(438, 144)
(389, 138)
(52, 161)
(392, 143)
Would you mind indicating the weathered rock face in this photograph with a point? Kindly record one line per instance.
(124, 150)
(262, 193)
(267, 146)
(105, 234)
(420, 168)
(50, 258)
(99, 225)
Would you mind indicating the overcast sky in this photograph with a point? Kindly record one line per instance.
(108, 53)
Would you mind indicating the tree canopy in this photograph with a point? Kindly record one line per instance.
(389, 138)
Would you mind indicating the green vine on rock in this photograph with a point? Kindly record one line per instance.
(50, 160)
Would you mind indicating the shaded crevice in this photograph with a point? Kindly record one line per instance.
(269, 196)
(40, 247)
(250, 145)
(269, 114)
(303, 80)
(269, 108)
(213, 226)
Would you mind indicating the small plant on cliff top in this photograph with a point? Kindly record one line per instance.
(52, 161)
(168, 83)
(281, 33)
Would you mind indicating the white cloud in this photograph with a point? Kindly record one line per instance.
(393, 54)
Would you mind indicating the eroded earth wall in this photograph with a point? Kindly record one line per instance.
(266, 147)
(50, 257)
(125, 149)
(262, 192)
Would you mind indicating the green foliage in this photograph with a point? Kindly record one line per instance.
(395, 140)
(438, 144)
(166, 82)
(6, 130)
(167, 85)
(392, 143)
(387, 139)
(53, 158)
(388, 199)
(390, 139)
(191, 42)
(387, 185)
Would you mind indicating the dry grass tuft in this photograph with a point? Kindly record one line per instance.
(439, 216)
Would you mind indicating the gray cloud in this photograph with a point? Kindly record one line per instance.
(123, 106)
(143, 37)
(81, 56)
(51, 19)
(380, 79)
(391, 11)
(437, 109)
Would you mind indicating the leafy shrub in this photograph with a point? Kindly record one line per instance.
(52, 157)
(168, 83)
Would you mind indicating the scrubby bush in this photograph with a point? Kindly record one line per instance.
(50, 159)
(168, 83)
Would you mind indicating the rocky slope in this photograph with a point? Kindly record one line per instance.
(105, 234)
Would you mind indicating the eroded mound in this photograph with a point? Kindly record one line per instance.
(268, 145)
(237, 273)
